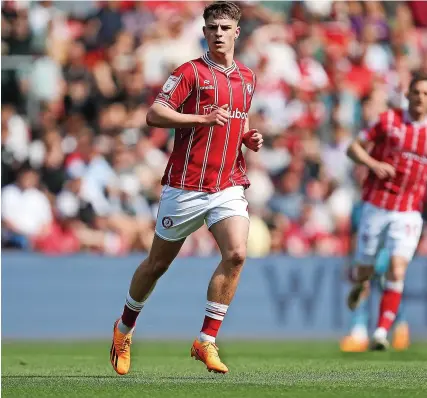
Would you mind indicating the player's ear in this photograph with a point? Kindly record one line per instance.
(204, 31)
(237, 33)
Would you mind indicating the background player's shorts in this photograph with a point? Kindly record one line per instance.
(182, 212)
(399, 232)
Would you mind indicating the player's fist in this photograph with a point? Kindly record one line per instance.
(218, 117)
(383, 170)
(253, 140)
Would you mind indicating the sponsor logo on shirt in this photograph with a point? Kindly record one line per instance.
(234, 114)
(210, 87)
(414, 156)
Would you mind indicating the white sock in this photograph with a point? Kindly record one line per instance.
(395, 286)
(205, 337)
(133, 305)
(123, 328)
(380, 333)
(214, 311)
(359, 332)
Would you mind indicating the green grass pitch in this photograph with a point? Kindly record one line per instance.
(257, 369)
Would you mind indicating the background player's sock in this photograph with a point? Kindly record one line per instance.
(359, 332)
(130, 313)
(390, 302)
(401, 315)
(214, 315)
(359, 320)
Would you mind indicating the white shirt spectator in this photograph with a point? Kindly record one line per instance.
(45, 79)
(261, 190)
(321, 8)
(377, 59)
(337, 164)
(29, 211)
(18, 139)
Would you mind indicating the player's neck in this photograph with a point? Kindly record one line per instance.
(225, 60)
(417, 117)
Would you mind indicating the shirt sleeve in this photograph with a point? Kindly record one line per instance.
(252, 89)
(376, 133)
(178, 87)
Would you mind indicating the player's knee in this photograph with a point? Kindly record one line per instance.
(236, 257)
(397, 268)
(158, 266)
(396, 273)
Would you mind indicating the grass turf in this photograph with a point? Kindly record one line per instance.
(257, 369)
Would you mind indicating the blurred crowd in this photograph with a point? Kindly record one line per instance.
(81, 169)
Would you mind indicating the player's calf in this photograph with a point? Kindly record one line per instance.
(391, 298)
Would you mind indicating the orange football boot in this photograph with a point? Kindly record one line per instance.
(351, 344)
(401, 338)
(207, 352)
(120, 350)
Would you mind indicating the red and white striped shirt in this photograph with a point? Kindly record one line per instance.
(402, 143)
(207, 158)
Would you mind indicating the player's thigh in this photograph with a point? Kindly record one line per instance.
(228, 220)
(403, 236)
(181, 212)
(231, 235)
(370, 237)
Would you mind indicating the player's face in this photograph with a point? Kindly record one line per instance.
(221, 34)
(417, 97)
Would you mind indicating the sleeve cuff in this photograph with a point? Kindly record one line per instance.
(164, 103)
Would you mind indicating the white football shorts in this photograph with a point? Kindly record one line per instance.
(399, 232)
(182, 212)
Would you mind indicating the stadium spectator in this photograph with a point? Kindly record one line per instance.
(74, 111)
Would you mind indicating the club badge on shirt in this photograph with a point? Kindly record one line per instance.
(171, 83)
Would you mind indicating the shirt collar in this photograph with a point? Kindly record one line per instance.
(209, 62)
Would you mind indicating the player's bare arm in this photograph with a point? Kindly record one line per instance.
(164, 117)
(357, 151)
(252, 139)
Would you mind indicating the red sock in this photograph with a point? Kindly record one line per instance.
(390, 302)
(129, 316)
(214, 316)
(211, 326)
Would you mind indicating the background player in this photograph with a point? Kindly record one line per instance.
(207, 102)
(393, 193)
(357, 339)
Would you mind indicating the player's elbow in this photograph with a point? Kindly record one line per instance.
(151, 118)
(350, 150)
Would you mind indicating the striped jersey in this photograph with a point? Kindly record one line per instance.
(208, 158)
(401, 142)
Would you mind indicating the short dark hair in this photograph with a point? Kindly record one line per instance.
(417, 77)
(221, 9)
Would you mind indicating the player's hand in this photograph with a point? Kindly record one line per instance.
(383, 170)
(253, 140)
(219, 117)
